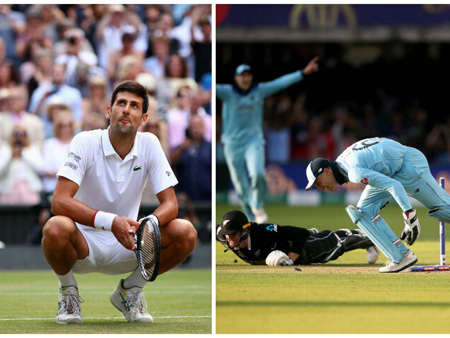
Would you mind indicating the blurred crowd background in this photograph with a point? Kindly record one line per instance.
(60, 63)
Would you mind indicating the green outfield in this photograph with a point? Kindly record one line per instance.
(179, 301)
(341, 297)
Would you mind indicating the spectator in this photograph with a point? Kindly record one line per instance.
(55, 150)
(97, 98)
(183, 33)
(12, 26)
(52, 15)
(164, 29)
(9, 76)
(320, 140)
(74, 54)
(57, 90)
(158, 127)
(110, 29)
(152, 14)
(54, 107)
(278, 111)
(90, 17)
(16, 101)
(60, 45)
(192, 161)
(201, 48)
(175, 76)
(20, 166)
(156, 63)
(28, 66)
(35, 31)
(40, 71)
(189, 104)
(2, 51)
(128, 68)
(127, 49)
(4, 101)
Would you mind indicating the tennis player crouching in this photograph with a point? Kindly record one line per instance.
(97, 200)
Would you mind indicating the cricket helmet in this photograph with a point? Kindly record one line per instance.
(234, 221)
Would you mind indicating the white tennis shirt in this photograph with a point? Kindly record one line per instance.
(108, 183)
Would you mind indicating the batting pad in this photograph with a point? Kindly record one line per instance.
(379, 233)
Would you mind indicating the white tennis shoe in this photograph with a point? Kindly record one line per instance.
(372, 254)
(409, 259)
(69, 306)
(260, 215)
(131, 302)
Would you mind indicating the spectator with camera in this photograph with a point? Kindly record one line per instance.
(74, 54)
(21, 164)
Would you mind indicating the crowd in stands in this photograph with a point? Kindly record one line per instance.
(295, 132)
(59, 65)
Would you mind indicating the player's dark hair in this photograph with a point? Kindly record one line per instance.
(132, 87)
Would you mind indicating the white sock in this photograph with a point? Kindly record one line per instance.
(67, 279)
(135, 279)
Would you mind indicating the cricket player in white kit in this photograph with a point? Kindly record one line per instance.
(389, 170)
(97, 200)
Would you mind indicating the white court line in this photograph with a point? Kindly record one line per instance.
(100, 292)
(87, 318)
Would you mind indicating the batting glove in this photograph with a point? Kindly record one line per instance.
(411, 230)
(278, 258)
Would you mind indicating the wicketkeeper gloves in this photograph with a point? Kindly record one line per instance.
(411, 230)
(277, 258)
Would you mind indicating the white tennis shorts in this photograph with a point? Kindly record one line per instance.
(106, 254)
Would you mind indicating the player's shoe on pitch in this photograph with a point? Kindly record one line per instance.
(69, 306)
(131, 302)
(313, 231)
(372, 254)
(409, 259)
(260, 215)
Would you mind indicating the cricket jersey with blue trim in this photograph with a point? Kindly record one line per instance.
(242, 112)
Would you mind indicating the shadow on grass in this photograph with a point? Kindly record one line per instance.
(331, 304)
(324, 265)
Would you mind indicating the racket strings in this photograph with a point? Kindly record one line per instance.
(148, 251)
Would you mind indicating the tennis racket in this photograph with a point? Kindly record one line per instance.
(148, 249)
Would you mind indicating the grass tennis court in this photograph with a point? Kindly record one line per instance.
(340, 297)
(179, 301)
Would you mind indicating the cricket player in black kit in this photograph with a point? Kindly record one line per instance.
(273, 244)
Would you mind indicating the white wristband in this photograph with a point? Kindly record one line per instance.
(103, 220)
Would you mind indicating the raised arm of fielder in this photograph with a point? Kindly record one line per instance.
(272, 87)
(223, 91)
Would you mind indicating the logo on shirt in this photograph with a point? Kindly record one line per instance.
(272, 227)
(364, 144)
(136, 168)
(71, 165)
(74, 156)
(365, 181)
(168, 173)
